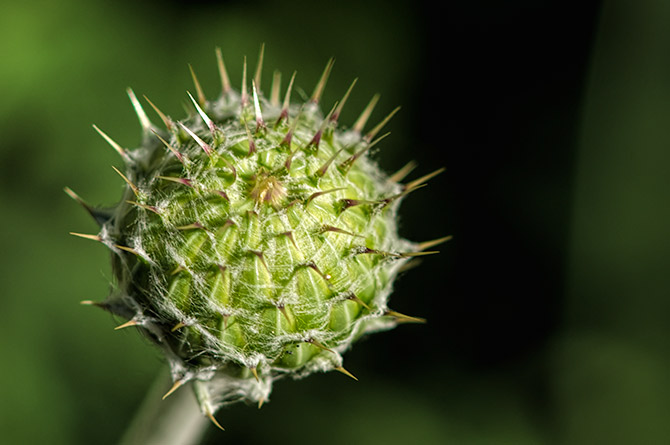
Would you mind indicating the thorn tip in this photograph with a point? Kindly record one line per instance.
(174, 387)
(120, 150)
(345, 372)
(127, 324)
(141, 114)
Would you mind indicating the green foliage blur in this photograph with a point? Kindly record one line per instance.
(582, 359)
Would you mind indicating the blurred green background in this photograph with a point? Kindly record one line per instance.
(548, 313)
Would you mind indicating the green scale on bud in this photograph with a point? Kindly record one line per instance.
(255, 239)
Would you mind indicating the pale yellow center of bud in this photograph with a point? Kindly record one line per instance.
(268, 189)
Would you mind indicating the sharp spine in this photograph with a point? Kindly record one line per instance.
(260, 124)
(404, 318)
(183, 181)
(129, 323)
(367, 250)
(328, 228)
(365, 115)
(405, 192)
(120, 150)
(409, 265)
(322, 171)
(100, 216)
(321, 85)
(198, 89)
(287, 102)
(261, 257)
(336, 115)
(141, 114)
(346, 165)
(316, 140)
(206, 119)
(87, 236)
(353, 297)
(200, 142)
(428, 244)
(403, 172)
(368, 137)
(318, 344)
(100, 304)
(225, 80)
(255, 373)
(289, 134)
(348, 203)
(195, 225)
(245, 95)
(172, 149)
(129, 250)
(144, 206)
(132, 186)
(178, 326)
(289, 235)
(259, 67)
(345, 372)
(317, 194)
(274, 90)
(312, 265)
(282, 309)
(211, 417)
(166, 120)
(174, 387)
(417, 182)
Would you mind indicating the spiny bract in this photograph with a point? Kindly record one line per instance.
(255, 238)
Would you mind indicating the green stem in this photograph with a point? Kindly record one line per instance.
(177, 420)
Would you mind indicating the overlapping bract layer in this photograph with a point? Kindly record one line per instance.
(244, 257)
(255, 239)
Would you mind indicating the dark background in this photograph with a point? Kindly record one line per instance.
(547, 312)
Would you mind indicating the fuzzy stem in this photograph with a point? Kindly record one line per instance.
(177, 420)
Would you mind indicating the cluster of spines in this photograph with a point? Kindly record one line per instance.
(217, 136)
